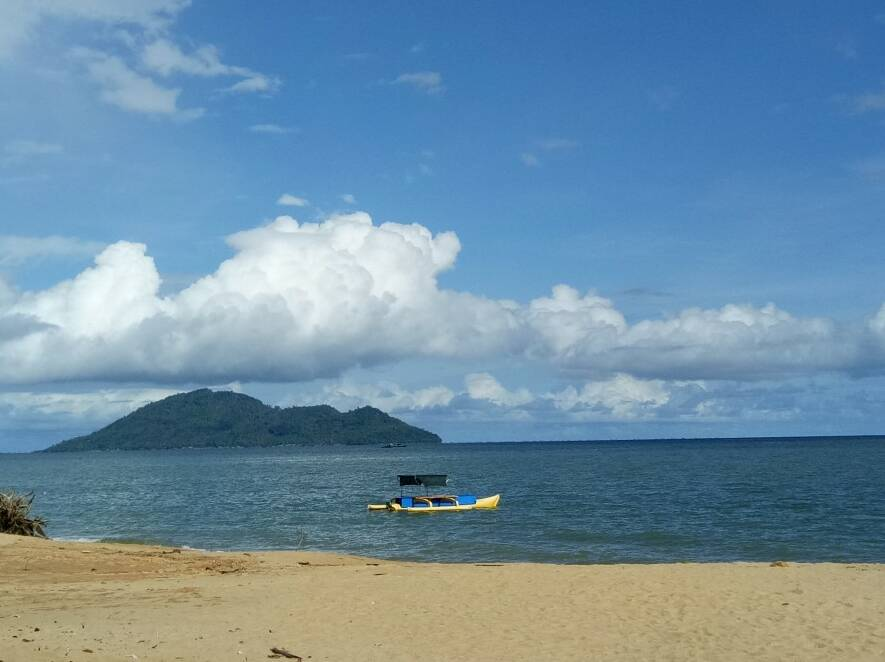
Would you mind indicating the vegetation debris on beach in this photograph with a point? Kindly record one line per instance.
(15, 510)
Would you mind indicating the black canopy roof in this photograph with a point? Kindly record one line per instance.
(426, 480)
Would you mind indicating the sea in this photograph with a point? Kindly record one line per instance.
(654, 501)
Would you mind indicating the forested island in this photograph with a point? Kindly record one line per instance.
(206, 419)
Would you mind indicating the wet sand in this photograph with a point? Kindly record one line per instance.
(92, 601)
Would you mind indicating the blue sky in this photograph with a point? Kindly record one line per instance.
(705, 180)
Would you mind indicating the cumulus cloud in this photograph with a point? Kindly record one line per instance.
(18, 326)
(483, 386)
(736, 341)
(289, 200)
(16, 249)
(348, 198)
(623, 396)
(429, 82)
(295, 302)
(298, 301)
(619, 398)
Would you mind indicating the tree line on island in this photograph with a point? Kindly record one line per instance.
(210, 419)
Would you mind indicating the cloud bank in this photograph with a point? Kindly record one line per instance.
(297, 301)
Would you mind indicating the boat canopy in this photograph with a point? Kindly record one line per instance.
(427, 480)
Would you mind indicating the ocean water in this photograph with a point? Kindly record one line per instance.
(569, 502)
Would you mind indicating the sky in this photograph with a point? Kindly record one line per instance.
(498, 221)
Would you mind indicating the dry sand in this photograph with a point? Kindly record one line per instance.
(79, 601)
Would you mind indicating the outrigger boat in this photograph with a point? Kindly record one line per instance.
(436, 503)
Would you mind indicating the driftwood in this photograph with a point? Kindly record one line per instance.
(15, 515)
(282, 652)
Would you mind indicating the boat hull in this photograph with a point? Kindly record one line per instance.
(437, 504)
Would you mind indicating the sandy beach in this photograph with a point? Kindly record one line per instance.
(90, 601)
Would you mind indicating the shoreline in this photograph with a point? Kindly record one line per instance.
(138, 542)
(433, 444)
(111, 601)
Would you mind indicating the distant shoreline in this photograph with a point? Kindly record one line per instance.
(792, 438)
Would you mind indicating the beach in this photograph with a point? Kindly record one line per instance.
(96, 601)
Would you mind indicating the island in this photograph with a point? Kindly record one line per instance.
(215, 419)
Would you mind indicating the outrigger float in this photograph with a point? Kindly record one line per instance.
(433, 503)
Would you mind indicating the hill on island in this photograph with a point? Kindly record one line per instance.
(205, 419)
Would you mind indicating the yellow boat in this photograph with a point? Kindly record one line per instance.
(448, 503)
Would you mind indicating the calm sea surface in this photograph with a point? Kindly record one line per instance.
(588, 502)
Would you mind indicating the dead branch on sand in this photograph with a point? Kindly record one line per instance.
(15, 516)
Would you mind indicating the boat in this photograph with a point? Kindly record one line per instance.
(437, 503)
(393, 444)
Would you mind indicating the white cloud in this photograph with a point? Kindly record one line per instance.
(736, 341)
(17, 249)
(128, 90)
(585, 409)
(623, 396)
(619, 398)
(386, 396)
(877, 324)
(270, 128)
(348, 198)
(300, 301)
(295, 302)
(102, 406)
(529, 160)
(482, 386)
(256, 83)
(125, 83)
(20, 18)
(166, 58)
(429, 82)
(289, 200)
